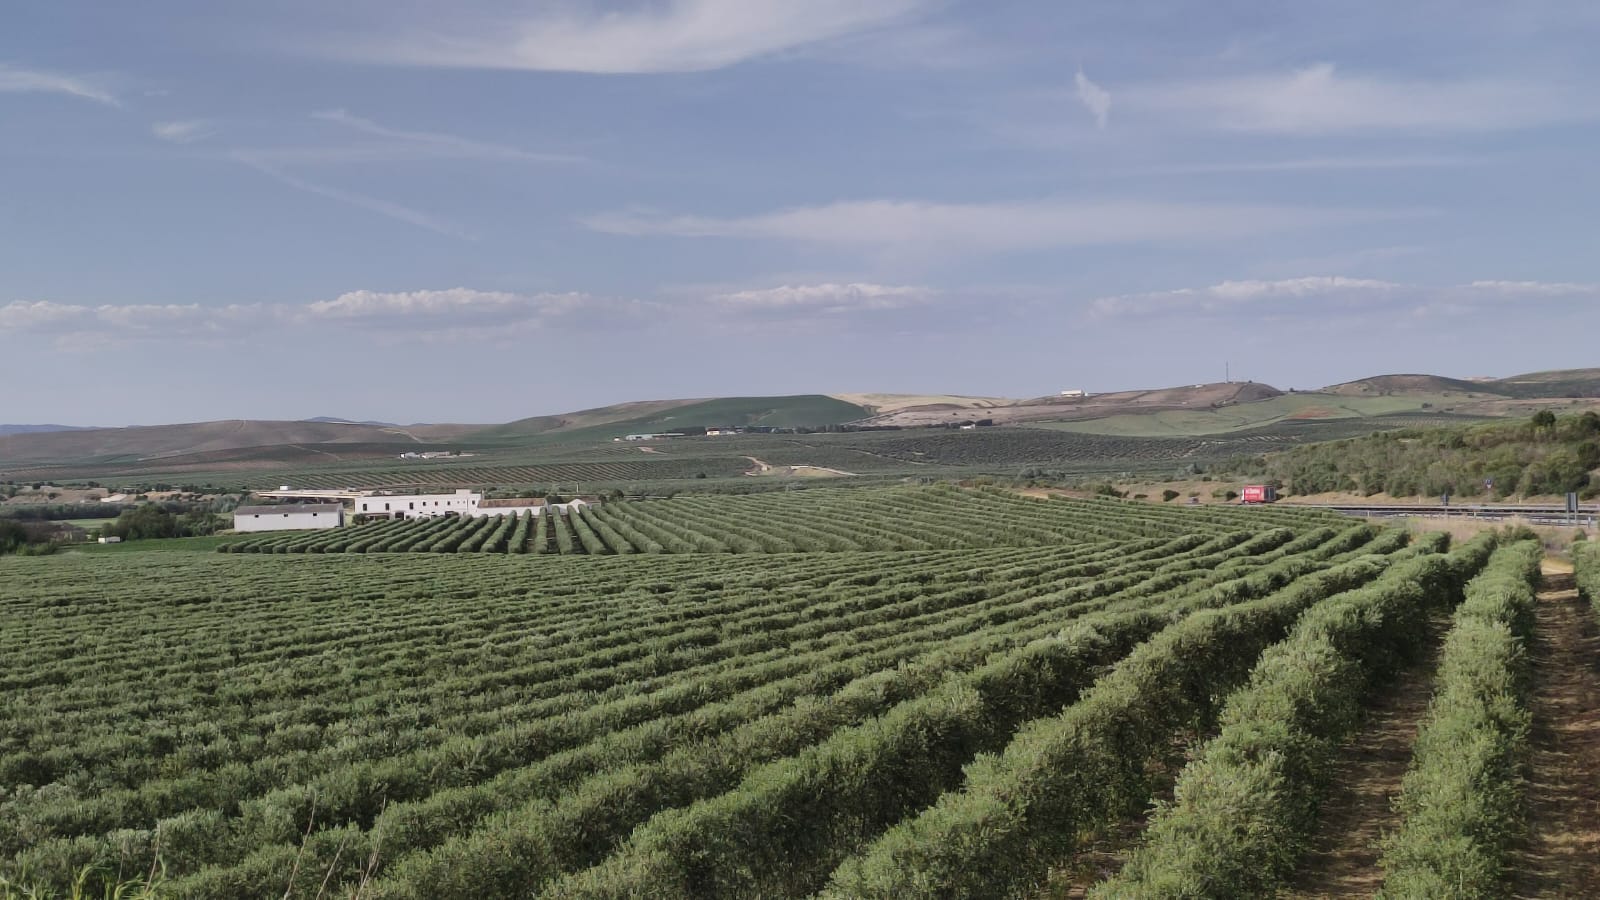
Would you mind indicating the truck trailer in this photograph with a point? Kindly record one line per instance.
(1258, 493)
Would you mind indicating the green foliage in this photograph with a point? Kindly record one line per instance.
(1525, 458)
(490, 725)
(150, 521)
(1461, 799)
(1244, 809)
(1586, 569)
(910, 518)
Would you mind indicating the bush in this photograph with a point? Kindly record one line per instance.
(1169, 495)
(1461, 799)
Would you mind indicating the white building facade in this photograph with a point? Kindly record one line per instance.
(460, 503)
(288, 517)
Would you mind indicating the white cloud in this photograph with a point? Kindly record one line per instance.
(659, 36)
(828, 297)
(989, 227)
(1320, 100)
(1537, 288)
(186, 132)
(133, 320)
(1096, 99)
(16, 80)
(461, 305)
(1332, 295)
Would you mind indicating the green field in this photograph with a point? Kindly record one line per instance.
(883, 692)
(1289, 408)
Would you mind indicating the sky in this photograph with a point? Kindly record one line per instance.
(481, 210)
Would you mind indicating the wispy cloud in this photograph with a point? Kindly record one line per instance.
(371, 204)
(828, 298)
(452, 311)
(1096, 99)
(1319, 99)
(459, 306)
(400, 143)
(1307, 164)
(172, 321)
(669, 36)
(989, 227)
(1329, 296)
(19, 80)
(186, 132)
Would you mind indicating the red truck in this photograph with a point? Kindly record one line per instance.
(1258, 493)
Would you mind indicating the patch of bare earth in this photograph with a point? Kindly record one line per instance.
(1561, 855)
(1343, 860)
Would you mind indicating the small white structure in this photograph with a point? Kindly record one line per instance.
(111, 540)
(288, 517)
(1075, 394)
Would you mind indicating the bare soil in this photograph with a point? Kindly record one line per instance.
(1561, 854)
(1343, 860)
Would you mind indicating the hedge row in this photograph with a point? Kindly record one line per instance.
(1461, 798)
(1245, 808)
(790, 823)
(1586, 559)
(1019, 811)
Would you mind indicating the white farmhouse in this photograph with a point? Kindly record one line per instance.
(417, 506)
(463, 502)
(288, 517)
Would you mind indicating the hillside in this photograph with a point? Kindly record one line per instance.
(154, 441)
(1092, 406)
(37, 429)
(800, 410)
(1565, 383)
(1242, 409)
(1490, 461)
(1410, 384)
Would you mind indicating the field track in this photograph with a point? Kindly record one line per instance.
(1343, 860)
(1562, 856)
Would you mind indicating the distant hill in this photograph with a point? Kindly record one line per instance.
(155, 441)
(1411, 384)
(39, 429)
(332, 420)
(800, 410)
(1566, 383)
(1384, 401)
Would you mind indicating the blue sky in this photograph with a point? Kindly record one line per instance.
(478, 211)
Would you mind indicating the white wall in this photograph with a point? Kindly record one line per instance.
(286, 521)
(419, 506)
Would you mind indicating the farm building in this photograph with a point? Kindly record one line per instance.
(460, 503)
(288, 516)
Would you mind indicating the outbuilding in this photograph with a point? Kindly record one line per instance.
(288, 517)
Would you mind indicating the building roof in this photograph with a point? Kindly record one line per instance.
(513, 501)
(284, 508)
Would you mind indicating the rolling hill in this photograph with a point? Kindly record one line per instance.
(1384, 402)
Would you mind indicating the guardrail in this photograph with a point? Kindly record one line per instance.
(1538, 514)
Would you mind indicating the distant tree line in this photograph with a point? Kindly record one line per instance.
(1543, 455)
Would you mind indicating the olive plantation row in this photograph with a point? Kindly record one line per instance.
(921, 518)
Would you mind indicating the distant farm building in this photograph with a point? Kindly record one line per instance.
(1074, 394)
(460, 503)
(650, 437)
(288, 516)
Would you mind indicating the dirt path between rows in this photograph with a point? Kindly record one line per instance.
(1561, 856)
(1343, 860)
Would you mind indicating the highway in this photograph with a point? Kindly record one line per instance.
(1547, 514)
